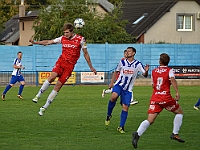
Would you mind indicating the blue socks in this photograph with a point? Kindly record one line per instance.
(198, 103)
(111, 105)
(9, 86)
(20, 89)
(124, 115)
(6, 89)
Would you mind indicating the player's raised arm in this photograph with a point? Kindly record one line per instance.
(43, 42)
(146, 68)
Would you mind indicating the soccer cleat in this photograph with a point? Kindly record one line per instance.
(134, 102)
(121, 129)
(176, 137)
(35, 100)
(3, 97)
(103, 93)
(19, 96)
(135, 138)
(41, 112)
(107, 121)
(197, 108)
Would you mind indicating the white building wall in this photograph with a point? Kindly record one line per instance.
(164, 29)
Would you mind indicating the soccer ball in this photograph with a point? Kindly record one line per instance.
(79, 23)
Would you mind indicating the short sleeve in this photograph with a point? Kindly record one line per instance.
(119, 66)
(141, 68)
(57, 40)
(152, 78)
(15, 62)
(171, 73)
(83, 43)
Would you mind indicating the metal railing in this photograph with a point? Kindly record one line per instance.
(32, 77)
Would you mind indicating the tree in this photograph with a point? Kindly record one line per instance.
(36, 4)
(115, 2)
(8, 9)
(98, 29)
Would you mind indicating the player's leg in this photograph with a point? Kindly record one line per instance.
(146, 123)
(56, 71)
(45, 86)
(13, 80)
(65, 74)
(111, 103)
(153, 111)
(177, 123)
(125, 100)
(106, 92)
(21, 87)
(51, 97)
(142, 128)
(196, 106)
(132, 97)
(133, 101)
(123, 117)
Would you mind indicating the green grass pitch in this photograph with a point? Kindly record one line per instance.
(75, 121)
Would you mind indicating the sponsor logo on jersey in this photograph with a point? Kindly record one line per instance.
(128, 72)
(169, 108)
(161, 93)
(160, 70)
(69, 45)
(151, 107)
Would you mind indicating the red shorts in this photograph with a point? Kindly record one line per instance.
(64, 70)
(158, 106)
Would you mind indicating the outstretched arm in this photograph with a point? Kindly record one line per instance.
(43, 42)
(87, 58)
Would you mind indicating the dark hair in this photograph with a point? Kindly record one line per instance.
(68, 26)
(164, 59)
(133, 49)
(19, 52)
(125, 51)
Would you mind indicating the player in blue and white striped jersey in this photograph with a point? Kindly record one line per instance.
(106, 91)
(16, 77)
(128, 69)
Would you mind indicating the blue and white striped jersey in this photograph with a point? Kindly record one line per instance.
(128, 73)
(17, 72)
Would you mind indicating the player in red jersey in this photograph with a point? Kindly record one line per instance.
(162, 78)
(71, 47)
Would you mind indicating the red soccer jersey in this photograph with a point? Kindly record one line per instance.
(161, 83)
(71, 48)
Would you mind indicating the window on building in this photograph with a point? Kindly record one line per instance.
(185, 22)
(139, 19)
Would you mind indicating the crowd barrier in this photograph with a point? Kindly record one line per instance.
(186, 75)
(37, 77)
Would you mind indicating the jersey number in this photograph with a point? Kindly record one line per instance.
(159, 83)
